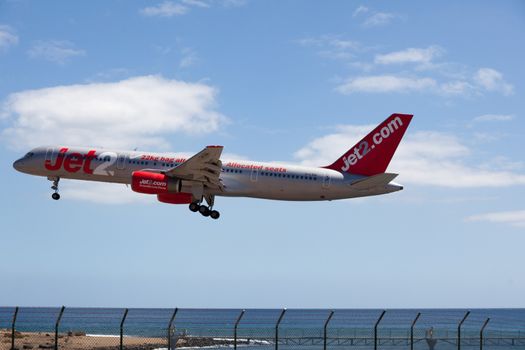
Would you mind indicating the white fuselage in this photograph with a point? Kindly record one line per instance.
(240, 178)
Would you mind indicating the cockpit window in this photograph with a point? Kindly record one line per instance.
(29, 155)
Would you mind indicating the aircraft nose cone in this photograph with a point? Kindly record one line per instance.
(18, 164)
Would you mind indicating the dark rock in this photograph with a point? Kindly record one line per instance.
(198, 342)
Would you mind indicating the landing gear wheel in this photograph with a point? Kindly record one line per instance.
(204, 210)
(54, 187)
(214, 214)
(194, 207)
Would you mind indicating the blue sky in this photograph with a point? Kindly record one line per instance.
(289, 81)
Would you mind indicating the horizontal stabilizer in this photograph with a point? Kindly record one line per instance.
(373, 181)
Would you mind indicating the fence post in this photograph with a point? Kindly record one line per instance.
(326, 328)
(481, 333)
(58, 324)
(170, 326)
(277, 329)
(459, 329)
(122, 328)
(375, 328)
(13, 329)
(235, 329)
(412, 330)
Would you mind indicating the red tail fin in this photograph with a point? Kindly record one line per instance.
(373, 153)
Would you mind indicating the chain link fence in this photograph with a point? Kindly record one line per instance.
(264, 329)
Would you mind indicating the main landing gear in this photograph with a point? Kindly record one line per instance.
(204, 210)
(55, 195)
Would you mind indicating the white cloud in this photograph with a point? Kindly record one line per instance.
(196, 3)
(373, 18)
(7, 37)
(136, 112)
(233, 3)
(379, 19)
(344, 44)
(103, 193)
(493, 118)
(109, 75)
(421, 70)
(423, 158)
(410, 55)
(385, 83)
(189, 58)
(171, 8)
(360, 10)
(492, 80)
(165, 9)
(324, 150)
(333, 41)
(456, 87)
(332, 46)
(389, 83)
(55, 51)
(513, 218)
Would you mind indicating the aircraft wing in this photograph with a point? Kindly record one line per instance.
(204, 167)
(373, 181)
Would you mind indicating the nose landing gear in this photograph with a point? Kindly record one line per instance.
(55, 195)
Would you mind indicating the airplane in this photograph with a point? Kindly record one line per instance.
(176, 179)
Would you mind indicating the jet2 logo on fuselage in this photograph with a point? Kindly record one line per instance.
(72, 162)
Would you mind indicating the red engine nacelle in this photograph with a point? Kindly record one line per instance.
(154, 183)
(175, 198)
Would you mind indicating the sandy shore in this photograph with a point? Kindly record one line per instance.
(78, 341)
(82, 341)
